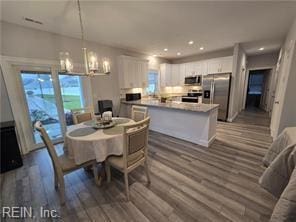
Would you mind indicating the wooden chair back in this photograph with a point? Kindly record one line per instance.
(82, 115)
(49, 145)
(135, 142)
(139, 113)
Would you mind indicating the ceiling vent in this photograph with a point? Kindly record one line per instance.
(32, 20)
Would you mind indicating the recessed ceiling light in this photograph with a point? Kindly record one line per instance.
(165, 50)
(201, 48)
(190, 42)
(261, 49)
(178, 53)
(154, 55)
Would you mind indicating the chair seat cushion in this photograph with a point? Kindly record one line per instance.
(66, 163)
(69, 164)
(118, 162)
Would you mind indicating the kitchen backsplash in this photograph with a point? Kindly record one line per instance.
(169, 91)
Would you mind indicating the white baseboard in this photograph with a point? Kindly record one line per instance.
(207, 143)
(230, 119)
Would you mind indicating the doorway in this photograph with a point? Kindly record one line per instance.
(258, 90)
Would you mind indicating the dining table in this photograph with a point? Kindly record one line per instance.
(84, 142)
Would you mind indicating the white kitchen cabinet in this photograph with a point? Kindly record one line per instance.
(214, 66)
(227, 63)
(190, 69)
(220, 65)
(200, 67)
(132, 72)
(182, 69)
(196, 68)
(169, 75)
(165, 74)
(175, 75)
(144, 71)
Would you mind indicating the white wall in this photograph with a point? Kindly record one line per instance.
(287, 114)
(25, 42)
(262, 61)
(6, 113)
(237, 82)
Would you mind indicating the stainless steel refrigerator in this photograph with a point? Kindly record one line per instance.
(216, 89)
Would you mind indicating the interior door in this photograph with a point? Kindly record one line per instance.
(283, 68)
(221, 94)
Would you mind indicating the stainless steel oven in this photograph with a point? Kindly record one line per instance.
(191, 97)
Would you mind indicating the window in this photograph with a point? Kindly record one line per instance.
(152, 82)
(72, 95)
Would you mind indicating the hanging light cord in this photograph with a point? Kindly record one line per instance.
(81, 24)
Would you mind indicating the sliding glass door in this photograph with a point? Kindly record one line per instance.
(41, 101)
(72, 95)
(49, 97)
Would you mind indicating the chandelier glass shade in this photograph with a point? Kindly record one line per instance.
(91, 62)
(66, 62)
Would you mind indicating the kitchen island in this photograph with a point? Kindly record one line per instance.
(192, 122)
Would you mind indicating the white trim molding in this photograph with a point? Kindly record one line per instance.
(230, 119)
(10, 68)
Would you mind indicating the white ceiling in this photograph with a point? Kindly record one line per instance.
(149, 27)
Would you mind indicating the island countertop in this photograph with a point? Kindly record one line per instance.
(194, 107)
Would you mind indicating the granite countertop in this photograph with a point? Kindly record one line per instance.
(173, 105)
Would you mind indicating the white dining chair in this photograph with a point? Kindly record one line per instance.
(135, 145)
(139, 113)
(62, 165)
(82, 114)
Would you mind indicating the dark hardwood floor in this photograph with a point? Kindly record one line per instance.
(189, 182)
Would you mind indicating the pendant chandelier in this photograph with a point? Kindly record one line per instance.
(90, 58)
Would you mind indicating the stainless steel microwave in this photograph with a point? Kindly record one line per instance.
(193, 80)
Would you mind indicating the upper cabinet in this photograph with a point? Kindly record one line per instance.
(170, 75)
(200, 67)
(220, 65)
(133, 72)
(182, 70)
(227, 63)
(165, 74)
(175, 75)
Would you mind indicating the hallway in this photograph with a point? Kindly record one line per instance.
(254, 116)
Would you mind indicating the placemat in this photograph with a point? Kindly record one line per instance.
(82, 132)
(114, 130)
(88, 123)
(121, 120)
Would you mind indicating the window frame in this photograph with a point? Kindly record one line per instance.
(157, 88)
